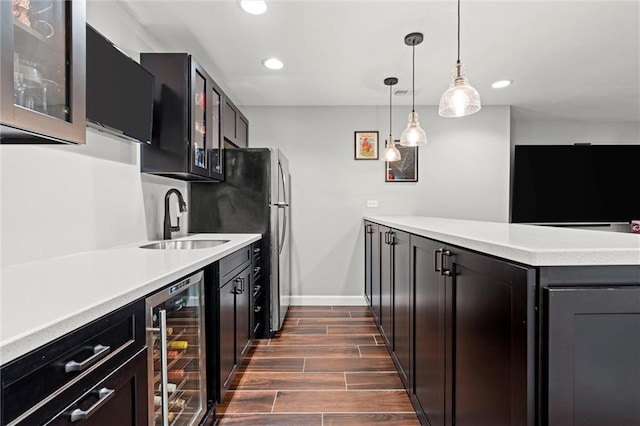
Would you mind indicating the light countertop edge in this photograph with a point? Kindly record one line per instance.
(527, 244)
(44, 300)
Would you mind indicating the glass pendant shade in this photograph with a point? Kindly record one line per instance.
(461, 99)
(413, 135)
(390, 153)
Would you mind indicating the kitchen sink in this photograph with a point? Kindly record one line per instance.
(184, 244)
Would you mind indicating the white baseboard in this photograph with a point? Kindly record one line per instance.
(328, 300)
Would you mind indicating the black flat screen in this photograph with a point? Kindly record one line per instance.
(576, 184)
(119, 90)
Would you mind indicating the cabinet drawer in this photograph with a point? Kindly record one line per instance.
(30, 382)
(234, 263)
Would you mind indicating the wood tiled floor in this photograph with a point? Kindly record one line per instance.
(327, 366)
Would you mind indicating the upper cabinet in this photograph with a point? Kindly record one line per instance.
(235, 125)
(42, 71)
(187, 130)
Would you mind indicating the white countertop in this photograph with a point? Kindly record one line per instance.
(43, 300)
(529, 244)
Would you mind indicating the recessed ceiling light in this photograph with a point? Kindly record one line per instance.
(501, 84)
(273, 63)
(254, 7)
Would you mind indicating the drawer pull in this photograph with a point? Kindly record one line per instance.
(256, 250)
(256, 269)
(104, 395)
(257, 309)
(99, 352)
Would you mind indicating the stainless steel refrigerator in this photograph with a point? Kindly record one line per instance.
(254, 198)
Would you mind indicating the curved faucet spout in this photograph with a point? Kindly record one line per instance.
(168, 228)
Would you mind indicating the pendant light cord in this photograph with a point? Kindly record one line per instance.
(458, 31)
(390, 129)
(413, 92)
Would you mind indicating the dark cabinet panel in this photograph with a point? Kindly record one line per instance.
(243, 313)
(42, 64)
(368, 266)
(372, 269)
(227, 336)
(429, 333)
(386, 287)
(593, 338)
(402, 304)
(187, 128)
(235, 125)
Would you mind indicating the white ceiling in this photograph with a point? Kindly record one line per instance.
(570, 59)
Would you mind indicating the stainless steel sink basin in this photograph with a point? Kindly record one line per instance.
(184, 244)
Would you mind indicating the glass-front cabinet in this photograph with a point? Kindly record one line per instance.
(187, 129)
(175, 340)
(42, 71)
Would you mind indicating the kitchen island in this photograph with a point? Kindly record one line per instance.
(508, 323)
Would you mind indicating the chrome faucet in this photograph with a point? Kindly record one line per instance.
(168, 229)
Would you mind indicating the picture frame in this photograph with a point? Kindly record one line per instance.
(405, 169)
(365, 145)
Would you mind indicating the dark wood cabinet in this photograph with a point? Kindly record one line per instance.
(226, 337)
(235, 125)
(63, 375)
(593, 337)
(430, 367)
(386, 286)
(402, 304)
(42, 69)
(187, 129)
(257, 308)
(244, 330)
(372, 268)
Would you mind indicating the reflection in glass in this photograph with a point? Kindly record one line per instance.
(200, 122)
(216, 151)
(40, 70)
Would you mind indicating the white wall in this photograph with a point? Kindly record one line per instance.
(463, 173)
(59, 200)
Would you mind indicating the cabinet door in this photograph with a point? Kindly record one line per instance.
(120, 399)
(488, 324)
(386, 287)
(402, 327)
(216, 164)
(42, 57)
(242, 130)
(429, 333)
(229, 116)
(375, 272)
(368, 267)
(200, 131)
(243, 314)
(227, 340)
(593, 338)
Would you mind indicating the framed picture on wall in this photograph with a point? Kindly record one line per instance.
(405, 169)
(365, 145)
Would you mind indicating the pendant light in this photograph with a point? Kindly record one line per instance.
(413, 135)
(461, 98)
(390, 153)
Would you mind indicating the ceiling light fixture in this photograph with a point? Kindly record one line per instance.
(273, 63)
(254, 7)
(461, 98)
(501, 84)
(390, 153)
(413, 135)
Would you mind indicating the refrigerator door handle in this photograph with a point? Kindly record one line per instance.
(283, 205)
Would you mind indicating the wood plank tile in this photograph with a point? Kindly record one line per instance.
(342, 401)
(345, 329)
(247, 402)
(310, 308)
(320, 365)
(290, 381)
(258, 364)
(318, 314)
(271, 420)
(292, 340)
(379, 340)
(307, 351)
(360, 314)
(378, 351)
(317, 330)
(375, 381)
(260, 342)
(352, 308)
(366, 419)
(335, 321)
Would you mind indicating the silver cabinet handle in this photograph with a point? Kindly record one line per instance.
(104, 395)
(99, 352)
(281, 204)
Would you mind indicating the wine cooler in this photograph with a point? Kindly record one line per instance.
(175, 338)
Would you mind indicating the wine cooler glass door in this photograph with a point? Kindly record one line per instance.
(175, 333)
